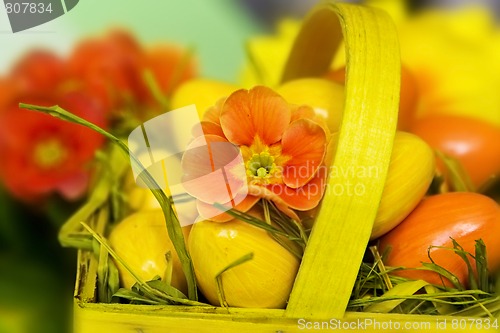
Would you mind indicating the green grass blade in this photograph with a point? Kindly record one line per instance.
(218, 277)
(403, 290)
(173, 227)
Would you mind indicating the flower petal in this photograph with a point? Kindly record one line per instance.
(260, 112)
(209, 212)
(305, 142)
(207, 128)
(213, 169)
(266, 193)
(213, 113)
(303, 198)
(307, 112)
(74, 187)
(302, 112)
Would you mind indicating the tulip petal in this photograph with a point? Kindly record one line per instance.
(305, 142)
(209, 212)
(258, 112)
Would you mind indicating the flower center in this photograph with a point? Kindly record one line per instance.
(49, 153)
(261, 165)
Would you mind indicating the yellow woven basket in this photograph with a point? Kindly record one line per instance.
(335, 250)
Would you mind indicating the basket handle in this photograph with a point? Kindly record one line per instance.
(342, 229)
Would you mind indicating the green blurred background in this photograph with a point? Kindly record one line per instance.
(216, 29)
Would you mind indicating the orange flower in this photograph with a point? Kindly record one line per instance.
(42, 155)
(283, 148)
(111, 67)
